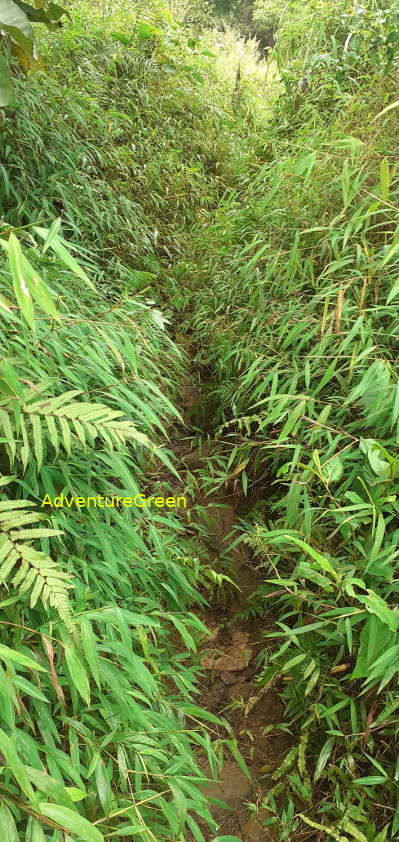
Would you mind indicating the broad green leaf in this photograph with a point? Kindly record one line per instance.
(34, 832)
(103, 785)
(392, 251)
(376, 605)
(55, 790)
(9, 375)
(370, 780)
(394, 292)
(89, 643)
(38, 289)
(16, 766)
(23, 44)
(179, 806)
(78, 673)
(126, 830)
(181, 628)
(385, 179)
(22, 293)
(316, 556)
(323, 757)
(297, 659)
(7, 89)
(146, 31)
(380, 466)
(232, 744)
(12, 15)
(64, 255)
(349, 635)
(345, 182)
(30, 689)
(8, 830)
(71, 821)
(75, 793)
(333, 469)
(121, 37)
(16, 657)
(52, 234)
(381, 837)
(38, 14)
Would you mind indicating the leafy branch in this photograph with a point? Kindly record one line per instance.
(29, 569)
(16, 18)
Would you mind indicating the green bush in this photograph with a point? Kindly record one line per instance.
(104, 159)
(303, 320)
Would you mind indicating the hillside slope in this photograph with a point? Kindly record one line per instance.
(182, 217)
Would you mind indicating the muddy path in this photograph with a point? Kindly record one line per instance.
(229, 688)
(229, 656)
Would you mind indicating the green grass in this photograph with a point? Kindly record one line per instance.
(257, 215)
(100, 729)
(302, 322)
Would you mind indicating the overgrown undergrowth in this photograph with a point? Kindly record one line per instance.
(260, 208)
(302, 317)
(99, 731)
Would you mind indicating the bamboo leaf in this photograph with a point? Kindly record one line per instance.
(7, 89)
(16, 766)
(64, 255)
(385, 179)
(386, 110)
(22, 293)
(8, 829)
(71, 821)
(78, 673)
(90, 649)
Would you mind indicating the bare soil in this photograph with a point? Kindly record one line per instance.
(228, 658)
(230, 689)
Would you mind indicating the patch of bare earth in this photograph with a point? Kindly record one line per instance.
(229, 688)
(228, 659)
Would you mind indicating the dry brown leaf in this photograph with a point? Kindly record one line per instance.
(54, 680)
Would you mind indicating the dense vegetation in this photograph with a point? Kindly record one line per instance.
(163, 179)
(303, 319)
(94, 689)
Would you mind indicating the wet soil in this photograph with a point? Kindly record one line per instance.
(228, 658)
(229, 689)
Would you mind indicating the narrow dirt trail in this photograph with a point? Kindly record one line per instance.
(228, 658)
(229, 688)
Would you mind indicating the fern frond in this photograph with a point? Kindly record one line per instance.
(27, 568)
(65, 423)
(5, 505)
(6, 425)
